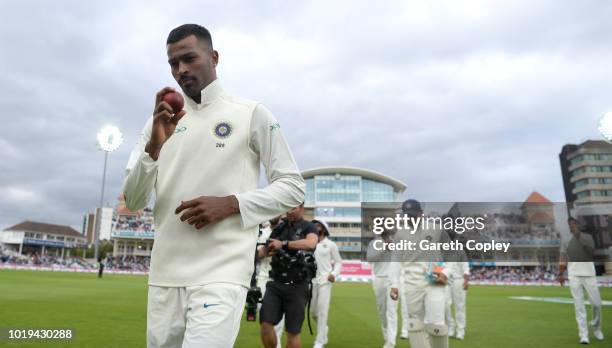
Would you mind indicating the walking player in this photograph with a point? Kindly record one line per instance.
(577, 258)
(424, 285)
(329, 264)
(382, 273)
(203, 163)
(458, 284)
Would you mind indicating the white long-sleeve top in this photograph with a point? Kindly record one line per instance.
(216, 150)
(263, 274)
(458, 270)
(381, 262)
(328, 260)
(414, 266)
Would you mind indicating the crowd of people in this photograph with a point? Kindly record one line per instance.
(143, 222)
(514, 228)
(33, 259)
(128, 263)
(141, 264)
(515, 273)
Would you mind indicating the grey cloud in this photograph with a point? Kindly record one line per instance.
(356, 84)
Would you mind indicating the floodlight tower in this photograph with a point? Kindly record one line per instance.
(109, 139)
(605, 126)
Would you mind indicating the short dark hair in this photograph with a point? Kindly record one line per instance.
(179, 33)
(572, 219)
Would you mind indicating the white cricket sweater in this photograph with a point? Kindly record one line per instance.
(216, 150)
(328, 260)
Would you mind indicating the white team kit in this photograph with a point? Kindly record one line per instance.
(198, 278)
(263, 272)
(456, 297)
(328, 262)
(426, 305)
(382, 283)
(403, 305)
(581, 278)
(426, 299)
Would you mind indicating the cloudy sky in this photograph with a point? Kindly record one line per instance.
(460, 100)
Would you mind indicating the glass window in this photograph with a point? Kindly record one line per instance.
(337, 188)
(337, 211)
(576, 159)
(582, 194)
(582, 182)
(592, 169)
(310, 191)
(374, 191)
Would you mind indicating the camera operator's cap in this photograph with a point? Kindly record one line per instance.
(411, 206)
(325, 225)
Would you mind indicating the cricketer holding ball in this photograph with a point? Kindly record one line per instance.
(203, 164)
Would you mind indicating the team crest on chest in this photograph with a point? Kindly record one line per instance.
(222, 129)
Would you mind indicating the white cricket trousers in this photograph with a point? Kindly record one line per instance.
(427, 303)
(577, 286)
(194, 316)
(319, 306)
(387, 309)
(403, 304)
(456, 297)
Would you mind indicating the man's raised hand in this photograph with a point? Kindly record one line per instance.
(164, 123)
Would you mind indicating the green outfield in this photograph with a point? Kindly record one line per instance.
(110, 312)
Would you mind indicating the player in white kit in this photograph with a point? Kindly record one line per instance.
(424, 284)
(203, 164)
(577, 258)
(458, 284)
(329, 264)
(403, 305)
(382, 271)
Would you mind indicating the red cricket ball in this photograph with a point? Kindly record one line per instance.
(175, 100)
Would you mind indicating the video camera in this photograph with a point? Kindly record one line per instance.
(253, 298)
(254, 293)
(293, 266)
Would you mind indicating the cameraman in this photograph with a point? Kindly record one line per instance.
(287, 292)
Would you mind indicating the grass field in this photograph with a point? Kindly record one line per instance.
(111, 312)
